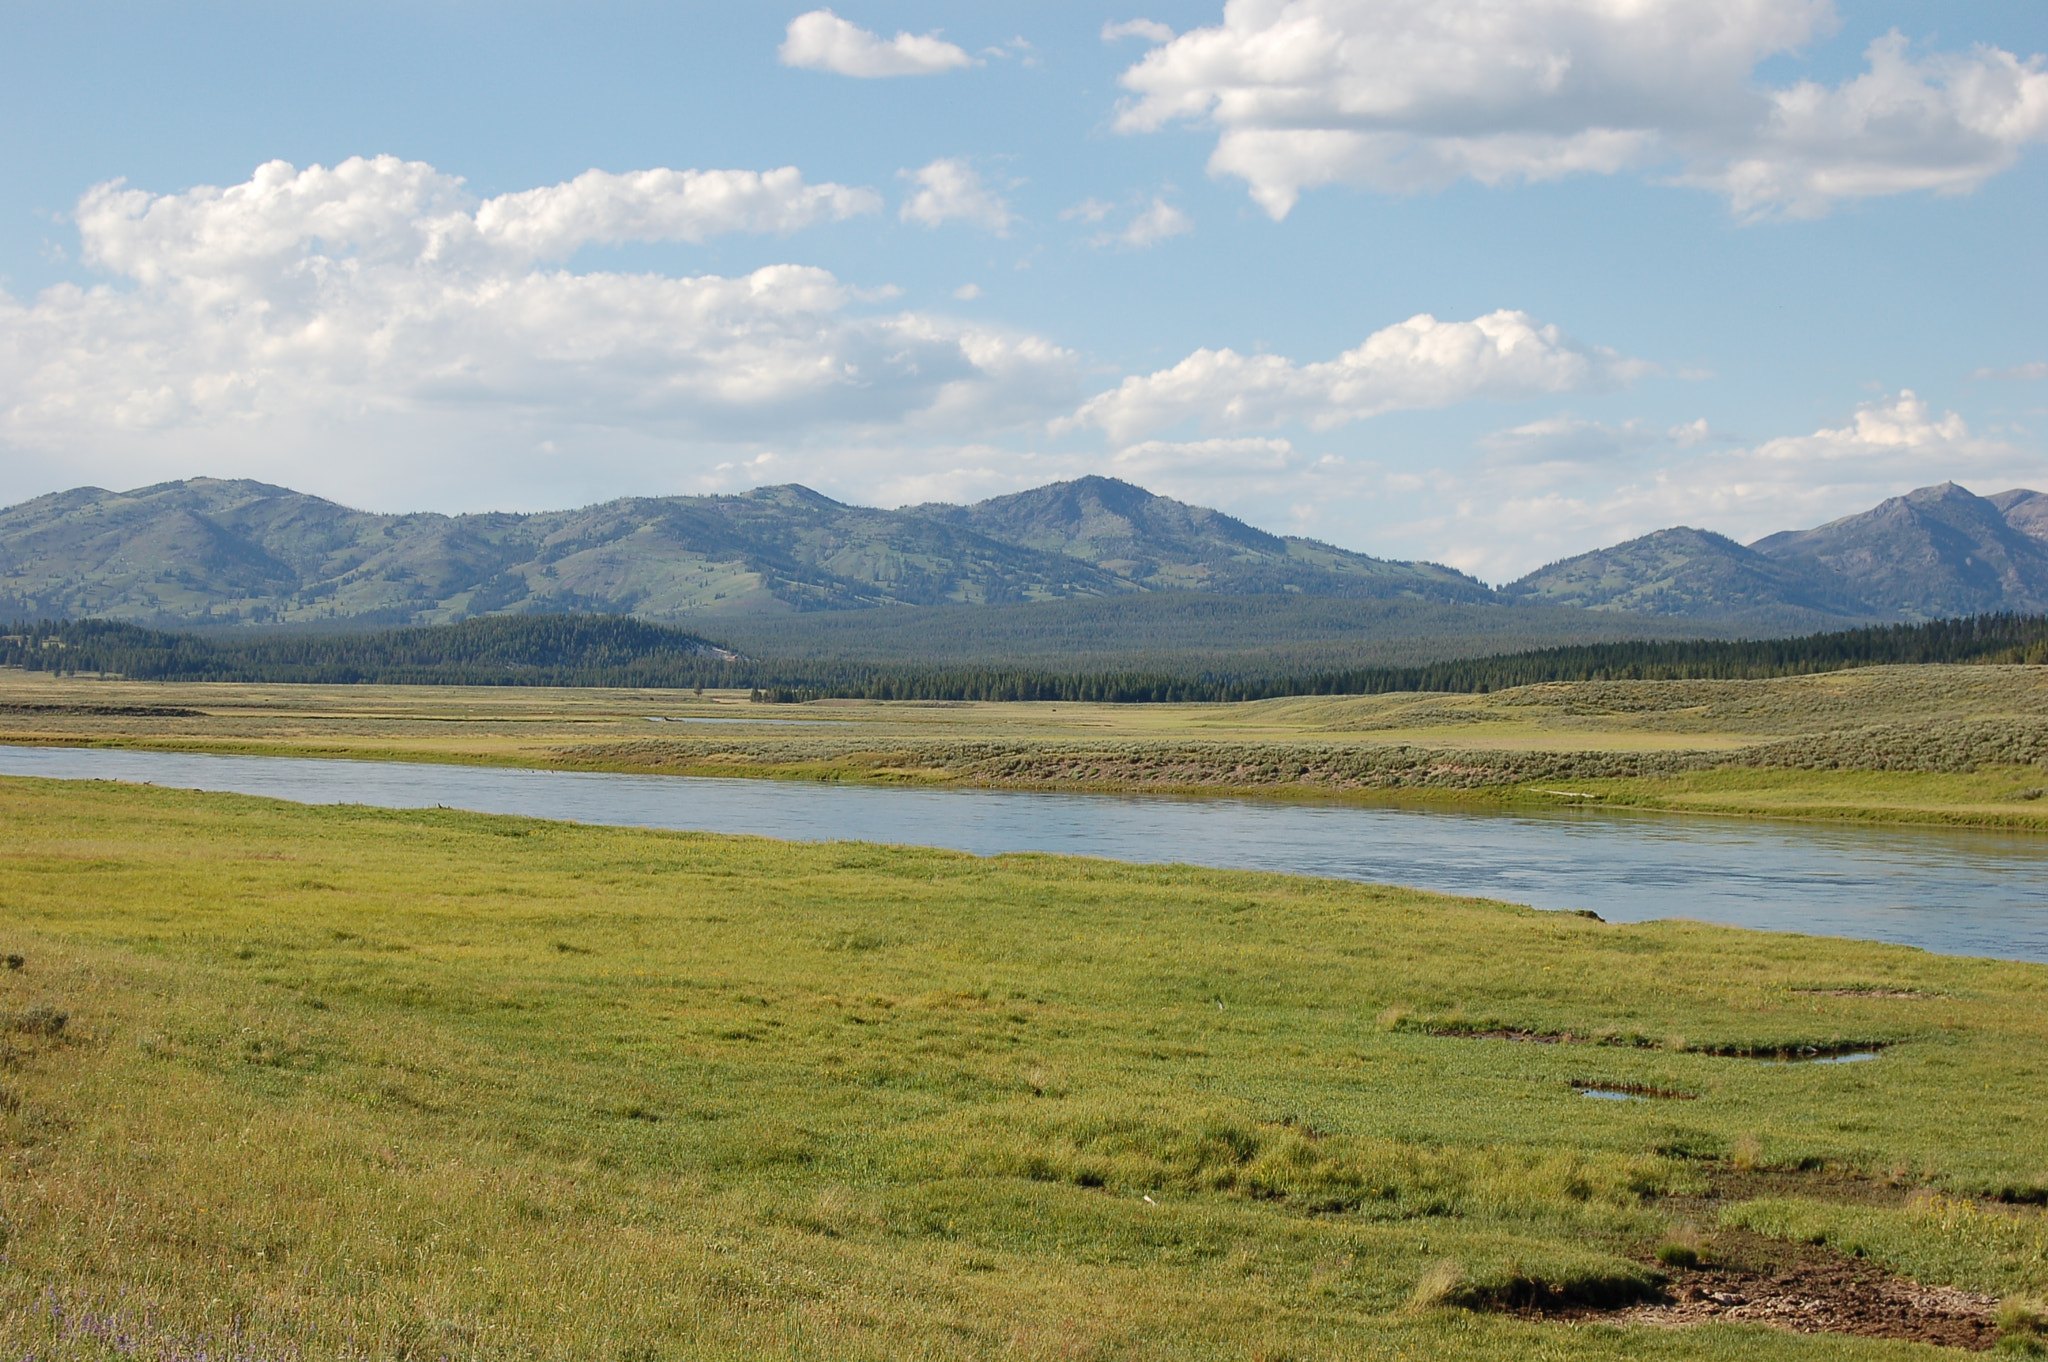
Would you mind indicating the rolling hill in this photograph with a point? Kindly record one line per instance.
(1161, 544)
(208, 551)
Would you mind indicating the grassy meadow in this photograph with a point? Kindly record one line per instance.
(1964, 744)
(279, 1081)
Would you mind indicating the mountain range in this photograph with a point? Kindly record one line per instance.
(1939, 551)
(210, 551)
(213, 551)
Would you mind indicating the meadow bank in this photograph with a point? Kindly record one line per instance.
(288, 1081)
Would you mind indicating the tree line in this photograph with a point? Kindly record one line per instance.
(614, 650)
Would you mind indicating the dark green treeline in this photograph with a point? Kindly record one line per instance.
(612, 650)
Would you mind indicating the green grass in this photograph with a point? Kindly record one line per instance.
(354, 1082)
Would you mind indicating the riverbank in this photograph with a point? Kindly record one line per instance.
(1959, 745)
(309, 1081)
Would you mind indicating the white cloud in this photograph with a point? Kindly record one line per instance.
(1419, 363)
(663, 205)
(372, 308)
(1945, 124)
(822, 41)
(370, 211)
(1151, 30)
(1158, 222)
(967, 293)
(1401, 95)
(1568, 440)
(1228, 456)
(949, 190)
(1695, 432)
(1088, 210)
(2036, 369)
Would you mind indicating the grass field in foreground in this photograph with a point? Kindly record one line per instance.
(337, 1081)
(1964, 744)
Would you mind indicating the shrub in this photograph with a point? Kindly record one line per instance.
(40, 1020)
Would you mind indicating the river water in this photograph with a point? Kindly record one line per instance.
(1954, 891)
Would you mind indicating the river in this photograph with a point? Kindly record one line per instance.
(1955, 891)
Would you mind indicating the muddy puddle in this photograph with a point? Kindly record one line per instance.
(1628, 1092)
(1851, 1052)
(1850, 1057)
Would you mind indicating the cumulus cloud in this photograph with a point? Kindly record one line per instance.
(1946, 124)
(1151, 30)
(1419, 363)
(949, 190)
(822, 41)
(1158, 222)
(376, 210)
(376, 292)
(1403, 95)
(663, 205)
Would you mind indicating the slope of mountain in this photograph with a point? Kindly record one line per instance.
(1687, 572)
(1935, 552)
(240, 552)
(1162, 544)
(2025, 511)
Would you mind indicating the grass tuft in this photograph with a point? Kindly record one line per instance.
(1442, 1286)
(2023, 1327)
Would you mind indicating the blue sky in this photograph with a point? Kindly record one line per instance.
(1746, 264)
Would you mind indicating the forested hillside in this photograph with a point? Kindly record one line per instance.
(607, 651)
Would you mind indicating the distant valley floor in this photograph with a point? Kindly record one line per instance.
(1962, 745)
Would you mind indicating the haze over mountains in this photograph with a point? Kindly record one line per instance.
(206, 551)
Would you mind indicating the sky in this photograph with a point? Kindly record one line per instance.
(1484, 282)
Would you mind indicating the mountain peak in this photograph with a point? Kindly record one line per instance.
(792, 494)
(1115, 518)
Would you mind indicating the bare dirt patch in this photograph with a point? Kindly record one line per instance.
(1810, 1290)
(1864, 993)
(1739, 1275)
(1824, 1051)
